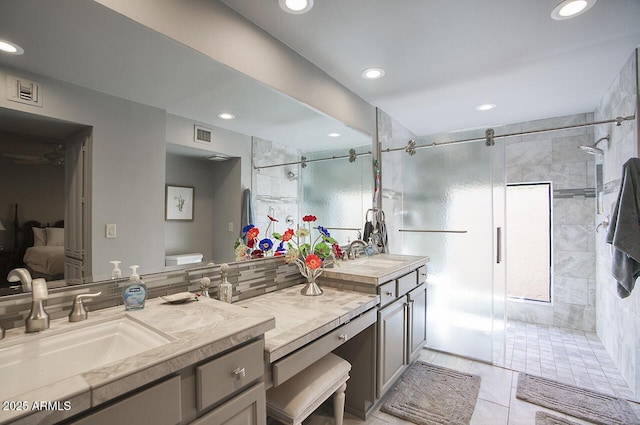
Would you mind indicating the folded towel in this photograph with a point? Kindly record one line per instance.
(624, 229)
(246, 214)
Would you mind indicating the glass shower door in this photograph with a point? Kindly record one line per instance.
(453, 205)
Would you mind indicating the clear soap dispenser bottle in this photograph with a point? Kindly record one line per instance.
(135, 291)
(369, 249)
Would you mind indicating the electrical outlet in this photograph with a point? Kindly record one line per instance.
(110, 231)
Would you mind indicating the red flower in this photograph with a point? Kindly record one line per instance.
(313, 261)
(271, 218)
(253, 233)
(288, 234)
(257, 254)
(250, 243)
(308, 218)
(336, 250)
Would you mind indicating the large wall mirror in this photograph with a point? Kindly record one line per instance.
(121, 113)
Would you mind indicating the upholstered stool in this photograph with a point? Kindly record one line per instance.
(295, 399)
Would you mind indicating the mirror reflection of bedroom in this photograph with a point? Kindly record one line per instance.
(37, 195)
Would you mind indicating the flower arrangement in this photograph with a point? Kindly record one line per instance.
(310, 257)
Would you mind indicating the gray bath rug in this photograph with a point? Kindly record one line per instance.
(574, 401)
(432, 395)
(544, 418)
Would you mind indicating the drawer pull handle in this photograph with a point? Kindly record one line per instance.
(343, 337)
(239, 373)
(389, 294)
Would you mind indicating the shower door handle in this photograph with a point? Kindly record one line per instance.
(498, 245)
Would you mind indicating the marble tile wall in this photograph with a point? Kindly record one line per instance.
(274, 193)
(554, 157)
(618, 320)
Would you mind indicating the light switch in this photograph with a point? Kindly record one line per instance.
(110, 231)
(231, 226)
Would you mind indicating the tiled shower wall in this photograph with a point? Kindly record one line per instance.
(274, 193)
(554, 157)
(618, 320)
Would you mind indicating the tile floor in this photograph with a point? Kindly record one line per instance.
(569, 356)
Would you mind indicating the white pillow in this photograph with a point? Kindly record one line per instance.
(55, 236)
(39, 236)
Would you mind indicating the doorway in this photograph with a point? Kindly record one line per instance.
(46, 175)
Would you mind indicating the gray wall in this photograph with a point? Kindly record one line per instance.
(127, 166)
(618, 320)
(182, 237)
(248, 49)
(554, 157)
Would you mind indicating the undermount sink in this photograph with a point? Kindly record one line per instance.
(51, 356)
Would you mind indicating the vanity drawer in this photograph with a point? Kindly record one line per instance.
(159, 404)
(407, 282)
(228, 374)
(422, 274)
(304, 357)
(387, 292)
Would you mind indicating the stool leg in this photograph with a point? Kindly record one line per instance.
(338, 404)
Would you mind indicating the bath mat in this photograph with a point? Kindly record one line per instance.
(574, 401)
(429, 395)
(544, 418)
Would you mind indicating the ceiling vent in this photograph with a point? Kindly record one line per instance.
(24, 91)
(202, 134)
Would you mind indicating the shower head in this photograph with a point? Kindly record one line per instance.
(591, 150)
(594, 150)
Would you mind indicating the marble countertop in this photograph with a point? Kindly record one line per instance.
(374, 270)
(197, 331)
(301, 319)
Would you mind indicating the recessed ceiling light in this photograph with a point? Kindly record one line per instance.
(296, 7)
(334, 135)
(571, 8)
(485, 107)
(11, 48)
(372, 73)
(226, 116)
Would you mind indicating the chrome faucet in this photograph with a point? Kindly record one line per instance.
(78, 312)
(350, 251)
(38, 319)
(21, 275)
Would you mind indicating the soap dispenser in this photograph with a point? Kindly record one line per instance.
(135, 291)
(369, 249)
(225, 291)
(116, 273)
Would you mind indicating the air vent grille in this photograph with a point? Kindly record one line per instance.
(24, 91)
(202, 134)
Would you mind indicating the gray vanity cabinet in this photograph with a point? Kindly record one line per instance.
(401, 326)
(417, 321)
(225, 388)
(392, 343)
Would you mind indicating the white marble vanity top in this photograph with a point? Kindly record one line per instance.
(374, 270)
(196, 331)
(301, 319)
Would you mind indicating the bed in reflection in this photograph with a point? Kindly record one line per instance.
(42, 250)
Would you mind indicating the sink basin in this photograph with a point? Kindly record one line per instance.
(52, 356)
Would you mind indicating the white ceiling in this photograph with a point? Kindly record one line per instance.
(87, 44)
(444, 57)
